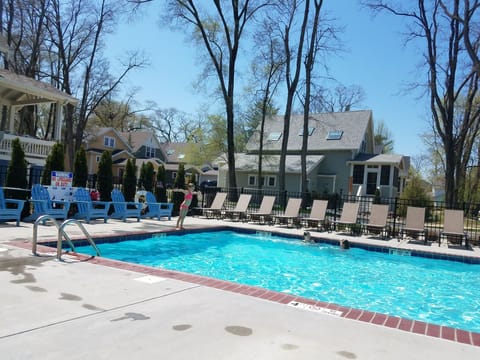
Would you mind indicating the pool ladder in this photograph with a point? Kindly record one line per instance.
(61, 234)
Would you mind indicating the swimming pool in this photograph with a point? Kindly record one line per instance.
(435, 291)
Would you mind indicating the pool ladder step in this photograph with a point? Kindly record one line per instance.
(61, 234)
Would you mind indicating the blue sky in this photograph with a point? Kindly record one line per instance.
(375, 58)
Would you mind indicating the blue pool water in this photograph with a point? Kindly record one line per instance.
(435, 291)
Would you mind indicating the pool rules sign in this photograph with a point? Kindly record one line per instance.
(62, 179)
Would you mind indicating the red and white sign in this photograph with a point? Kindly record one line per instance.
(61, 178)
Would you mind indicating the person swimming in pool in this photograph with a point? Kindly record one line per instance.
(185, 204)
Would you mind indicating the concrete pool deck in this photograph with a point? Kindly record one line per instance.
(81, 308)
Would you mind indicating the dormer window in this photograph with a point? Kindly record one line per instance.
(335, 135)
(274, 136)
(149, 152)
(310, 131)
(109, 141)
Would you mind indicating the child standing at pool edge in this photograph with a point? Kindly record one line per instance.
(184, 205)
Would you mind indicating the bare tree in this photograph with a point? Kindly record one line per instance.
(338, 99)
(471, 31)
(292, 17)
(311, 53)
(220, 32)
(77, 29)
(267, 69)
(450, 81)
(173, 125)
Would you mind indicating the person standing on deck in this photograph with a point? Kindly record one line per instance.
(184, 205)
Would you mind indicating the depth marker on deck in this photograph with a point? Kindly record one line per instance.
(314, 308)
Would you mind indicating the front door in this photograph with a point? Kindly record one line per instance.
(371, 183)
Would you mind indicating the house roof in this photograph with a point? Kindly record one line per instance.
(403, 162)
(98, 132)
(137, 139)
(270, 163)
(330, 131)
(175, 152)
(379, 158)
(18, 89)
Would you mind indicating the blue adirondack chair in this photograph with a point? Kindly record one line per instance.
(43, 205)
(156, 209)
(89, 209)
(124, 209)
(8, 212)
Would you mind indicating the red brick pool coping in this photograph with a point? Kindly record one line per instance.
(412, 326)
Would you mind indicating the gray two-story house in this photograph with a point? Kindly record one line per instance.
(340, 158)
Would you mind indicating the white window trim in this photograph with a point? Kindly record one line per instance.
(109, 141)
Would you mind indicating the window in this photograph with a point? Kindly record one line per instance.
(274, 136)
(385, 175)
(109, 141)
(335, 135)
(252, 180)
(181, 156)
(98, 158)
(174, 175)
(149, 152)
(170, 152)
(271, 181)
(310, 131)
(358, 171)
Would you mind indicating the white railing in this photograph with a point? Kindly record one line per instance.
(32, 147)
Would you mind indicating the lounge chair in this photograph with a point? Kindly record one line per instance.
(156, 209)
(43, 205)
(240, 210)
(453, 228)
(125, 209)
(415, 223)
(377, 223)
(290, 216)
(215, 210)
(9, 212)
(89, 209)
(317, 215)
(349, 215)
(264, 213)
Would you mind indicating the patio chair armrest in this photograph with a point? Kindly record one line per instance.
(102, 203)
(165, 206)
(18, 202)
(129, 203)
(37, 201)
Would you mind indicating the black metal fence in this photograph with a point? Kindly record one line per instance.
(434, 210)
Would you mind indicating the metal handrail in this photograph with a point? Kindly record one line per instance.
(43, 219)
(62, 232)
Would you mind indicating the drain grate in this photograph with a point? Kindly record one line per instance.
(314, 308)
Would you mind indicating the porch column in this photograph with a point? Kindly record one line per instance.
(59, 121)
(11, 118)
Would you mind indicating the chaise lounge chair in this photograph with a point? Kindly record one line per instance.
(89, 209)
(377, 223)
(415, 223)
(9, 212)
(453, 228)
(317, 215)
(156, 209)
(125, 209)
(349, 215)
(43, 205)
(290, 216)
(264, 213)
(215, 210)
(240, 211)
